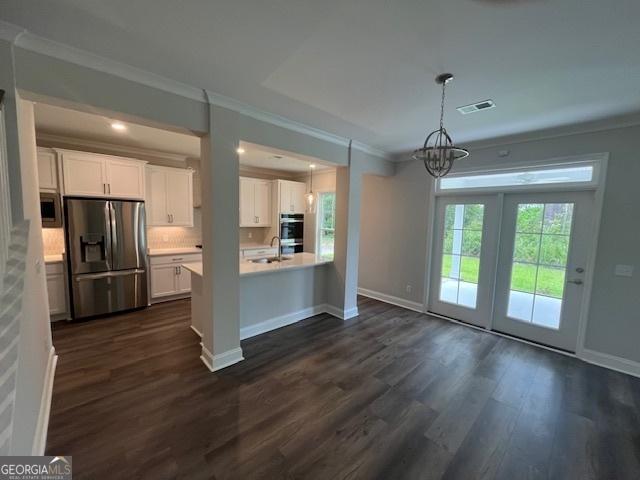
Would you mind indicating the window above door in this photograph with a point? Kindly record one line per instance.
(578, 174)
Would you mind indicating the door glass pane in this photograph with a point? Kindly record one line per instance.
(541, 250)
(462, 242)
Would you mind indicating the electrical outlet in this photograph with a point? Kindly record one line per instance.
(250, 235)
(624, 270)
(409, 288)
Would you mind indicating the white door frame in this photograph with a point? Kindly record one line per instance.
(599, 160)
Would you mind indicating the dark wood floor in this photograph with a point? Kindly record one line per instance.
(392, 394)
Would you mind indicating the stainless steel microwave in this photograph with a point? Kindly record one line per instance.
(50, 210)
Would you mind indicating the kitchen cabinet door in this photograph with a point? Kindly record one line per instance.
(156, 207)
(163, 280)
(125, 178)
(47, 170)
(286, 202)
(84, 174)
(57, 294)
(184, 280)
(247, 203)
(298, 191)
(169, 197)
(262, 203)
(180, 197)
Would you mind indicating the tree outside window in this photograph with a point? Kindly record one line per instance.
(326, 224)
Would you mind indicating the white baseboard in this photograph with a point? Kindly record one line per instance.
(383, 297)
(222, 360)
(611, 361)
(340, 313)
(279, 322)
(198, 332)
(40, 439)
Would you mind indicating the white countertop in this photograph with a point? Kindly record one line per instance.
(247, 246)
(193, 267)
(295, 261)
(173, 251)
(54, 258)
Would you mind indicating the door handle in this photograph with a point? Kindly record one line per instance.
(109, 186)
(172, 218)
(104, 188)
(575, 281)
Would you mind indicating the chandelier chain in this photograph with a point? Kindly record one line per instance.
(444, 85)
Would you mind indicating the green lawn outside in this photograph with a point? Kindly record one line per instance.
(523, 276)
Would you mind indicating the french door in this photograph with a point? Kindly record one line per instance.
(541, 266)
(463, 266)
(511, 262)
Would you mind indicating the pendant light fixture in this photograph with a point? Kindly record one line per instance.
(438, 151)
(310, 197)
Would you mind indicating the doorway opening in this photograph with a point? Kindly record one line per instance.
(512, 250)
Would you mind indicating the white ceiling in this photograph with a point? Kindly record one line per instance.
(73, 124)
(88, 126)
(258, 156)
(364, 68)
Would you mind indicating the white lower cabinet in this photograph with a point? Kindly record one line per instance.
(56, 289)
(168, 278)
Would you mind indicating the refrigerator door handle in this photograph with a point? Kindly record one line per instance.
(119, 273)
(113, 229)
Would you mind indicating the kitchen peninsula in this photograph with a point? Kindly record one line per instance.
(272, 295)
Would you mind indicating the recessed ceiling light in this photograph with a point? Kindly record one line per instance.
(312, 165)
(240, 150)
(119, 126)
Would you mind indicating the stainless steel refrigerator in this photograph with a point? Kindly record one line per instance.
(106, 255)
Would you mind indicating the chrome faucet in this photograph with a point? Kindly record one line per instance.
(279, 246)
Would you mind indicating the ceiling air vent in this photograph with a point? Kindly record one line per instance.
(476, 107)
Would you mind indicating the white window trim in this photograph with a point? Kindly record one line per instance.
(595, 160)
(317, 232)
(602, 160)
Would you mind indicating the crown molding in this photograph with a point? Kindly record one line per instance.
(29, 41)
(250, 111)
(613, 123)
(67, 53)
(60, 141)
(10, 32)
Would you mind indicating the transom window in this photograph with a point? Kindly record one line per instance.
(583, 173)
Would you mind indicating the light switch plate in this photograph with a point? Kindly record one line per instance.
(624, 271)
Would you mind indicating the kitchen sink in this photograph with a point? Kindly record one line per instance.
(269, 260)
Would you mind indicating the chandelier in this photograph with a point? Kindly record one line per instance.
(439, 152)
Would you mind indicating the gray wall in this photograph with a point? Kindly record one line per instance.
(613, 327)
(295, 290)
(393, 233)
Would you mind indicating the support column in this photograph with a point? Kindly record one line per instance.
(343, 287)
(220, 211)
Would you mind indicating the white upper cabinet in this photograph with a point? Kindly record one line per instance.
(255, 202)
(94, 175)
(169, 196)
(125, 178)
(47, 169)
(292, 196)
(84, 174)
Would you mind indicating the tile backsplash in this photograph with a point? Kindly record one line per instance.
(157, 237)
(254, 235)
(53, 241)
(176, 237)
